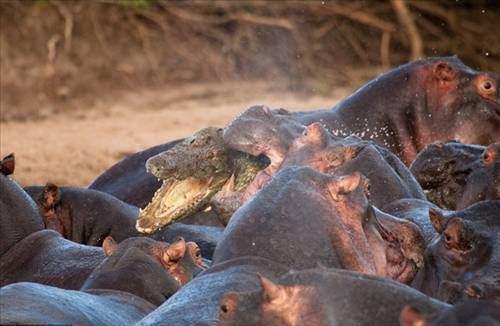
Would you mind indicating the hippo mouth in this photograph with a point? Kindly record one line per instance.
(174, 200)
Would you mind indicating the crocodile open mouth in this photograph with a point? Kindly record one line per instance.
(174, 200)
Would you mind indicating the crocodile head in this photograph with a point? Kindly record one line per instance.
(192, 172)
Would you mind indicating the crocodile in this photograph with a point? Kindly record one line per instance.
(192, 172)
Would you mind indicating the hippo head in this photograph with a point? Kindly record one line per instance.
(443, 170)
(180, 259)
(467, 313)
(151, 269)
(316, 148)
(385, 245)
(273, 304)
(465, 252)
(461, 103)
(260, 130)
(483, 182)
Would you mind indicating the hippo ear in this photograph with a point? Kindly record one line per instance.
(270, 291)
(109, 245)
(8, 164)
(438, 220)
(175, 251)
(51, 196)
(344, 185)
(228, 305)
(411, 316)
(489, 156)
(444, 72)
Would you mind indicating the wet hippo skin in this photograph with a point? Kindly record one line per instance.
(197, 303)
(261, 131)
(463, 260)
(418, 103)
(46, 257)
(18, 213)
(456, 175)
(31, 303)
(304, 218)
(83, 215)
(322, 297)
(138, 275)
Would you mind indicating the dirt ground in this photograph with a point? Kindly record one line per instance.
(75, 147)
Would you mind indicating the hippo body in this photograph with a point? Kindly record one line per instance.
(31, 303)
(128, 180)
(19, 216)
(83, 215)
(323, 297)
(456, 175)
(198, 301)
(418, 103)
(304, 218)
(46, 257)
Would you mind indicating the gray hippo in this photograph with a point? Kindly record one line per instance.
(304, 218)
(323, 297)
(462, 258)
(419, 103)
(138, 275)
(456, 175)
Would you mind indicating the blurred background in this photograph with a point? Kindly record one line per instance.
(85, 83)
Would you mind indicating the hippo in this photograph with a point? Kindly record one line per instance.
(424, 101)
(138, 275)
(83, 215)
(323, 297)
(193, 171)
(46, 257)
(316, 148)
(160, 269)
(19, 215)
(469, 313)
(463, 260)
(304, 218)
(456, 175)
(198, 301)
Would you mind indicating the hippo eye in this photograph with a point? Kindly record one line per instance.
(487, 87)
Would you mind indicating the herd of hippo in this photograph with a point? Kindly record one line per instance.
(384, 210)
